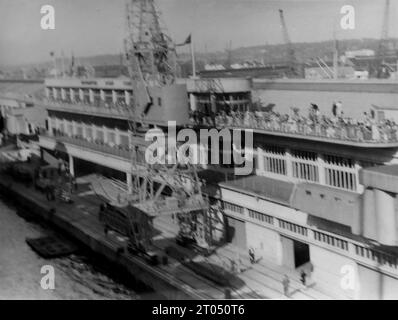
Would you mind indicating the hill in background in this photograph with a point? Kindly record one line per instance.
(305, 52)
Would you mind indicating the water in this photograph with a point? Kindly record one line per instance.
(76, 276)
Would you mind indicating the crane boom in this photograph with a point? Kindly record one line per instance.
(290, 50)
(383, 47)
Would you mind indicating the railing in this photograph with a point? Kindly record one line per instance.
(107, 108)
(339, 131)
(97, 145)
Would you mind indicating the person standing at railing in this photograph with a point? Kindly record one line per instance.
(375, 132)
(339, 109)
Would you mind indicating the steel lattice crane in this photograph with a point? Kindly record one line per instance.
(292, 61)
(384, 48)
(159, 189)
(150, 51)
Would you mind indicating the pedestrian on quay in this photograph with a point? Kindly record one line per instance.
(251, 256)
(286, 283)
(303, 278)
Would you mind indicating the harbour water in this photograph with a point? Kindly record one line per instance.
(76, 277)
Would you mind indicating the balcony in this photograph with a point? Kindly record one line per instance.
(338, 131)
(95, 145)
(118, 110)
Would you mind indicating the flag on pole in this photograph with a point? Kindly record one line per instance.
(188, 40)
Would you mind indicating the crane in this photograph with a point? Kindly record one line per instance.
(160, 189)
(383, 68)
(292, 61)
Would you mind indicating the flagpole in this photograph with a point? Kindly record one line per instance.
(63, 63)
(193, 58)
(55, 65)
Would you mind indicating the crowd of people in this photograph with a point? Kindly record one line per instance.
(336, 126)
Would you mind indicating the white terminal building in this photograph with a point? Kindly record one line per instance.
(327, 204)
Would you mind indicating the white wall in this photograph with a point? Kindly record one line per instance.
(328, 271)
(265, 242)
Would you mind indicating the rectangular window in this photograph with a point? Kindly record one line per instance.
(159, 101)
(274, 165)
(341, 179)
(305, 171)
(111, 137)
(124, 140)
(89, 133)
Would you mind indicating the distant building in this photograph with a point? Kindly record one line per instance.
(360, 53)
(21, 117)
(109, 71)
(214, 67)
(317, 72)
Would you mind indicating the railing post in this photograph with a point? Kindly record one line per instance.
(289, 163)
(91, 93)
(321, 169)
(260, 160)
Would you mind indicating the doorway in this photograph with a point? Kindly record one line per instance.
(301, 253)
(295, 253)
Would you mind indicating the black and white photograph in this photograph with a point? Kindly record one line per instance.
(216, 150)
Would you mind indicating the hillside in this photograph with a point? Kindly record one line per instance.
(267, 53)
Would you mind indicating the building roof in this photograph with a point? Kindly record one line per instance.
(36, 114)
(339, 206)
(380, 177)
(20, 89)
(385, 107)
(391, 170)
(264, 187)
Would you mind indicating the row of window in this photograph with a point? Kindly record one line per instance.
(379, 257)
(305, 171)
(305, 167)
(339, 161)
(304, 155)
(275, 165)
(341, 179)
(86, 92)
(261, 216)
(330, 240)
(100, 135)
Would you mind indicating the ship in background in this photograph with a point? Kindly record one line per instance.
(322, 197)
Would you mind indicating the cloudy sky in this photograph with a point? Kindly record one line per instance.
(89, 27)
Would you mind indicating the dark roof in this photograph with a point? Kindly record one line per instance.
(264, 187)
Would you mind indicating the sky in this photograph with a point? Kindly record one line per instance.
(94, 27)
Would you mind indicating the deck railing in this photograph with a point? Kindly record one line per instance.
(340, 129)
(119, 108)
(121, 151)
